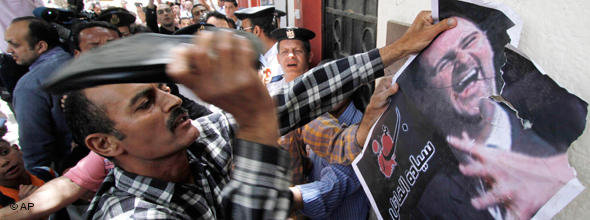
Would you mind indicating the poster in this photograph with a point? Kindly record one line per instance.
(476, 131)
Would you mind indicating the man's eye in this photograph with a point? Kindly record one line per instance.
(144, 105)
(4, 152)
(443, 65)
(470, 41)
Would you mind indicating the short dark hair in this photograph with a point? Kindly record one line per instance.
(492, 22)
(139, 28)
(232, 1)
(195, 7)
(84, 118)
(218, 15)
(85, 25)
(39, 30)
(266, 23)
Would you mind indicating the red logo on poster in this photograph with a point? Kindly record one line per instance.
(385, 153)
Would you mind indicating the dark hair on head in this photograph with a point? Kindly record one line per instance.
(85, 25)
(266, 23)
(39, 30)
(84, 118)
(196, 7)
(492, 22)
(139, 28)
(218, 15)
(235, 3)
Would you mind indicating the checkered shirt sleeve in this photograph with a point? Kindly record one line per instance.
(322, 88)
(330, 140)
(259, 188)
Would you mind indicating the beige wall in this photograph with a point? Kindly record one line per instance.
(556, 35)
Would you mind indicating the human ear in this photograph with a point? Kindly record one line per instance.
(103, 144)
(257, 31)
(41, 47)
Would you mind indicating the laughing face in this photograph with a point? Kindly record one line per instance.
(460, 66)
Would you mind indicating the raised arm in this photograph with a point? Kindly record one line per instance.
(338, 144)
(237, 90)
(306, 98)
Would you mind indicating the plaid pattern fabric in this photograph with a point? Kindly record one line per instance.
(300, 164)
(334, 142)
(253, 190)
(259, 188)
(322, 88)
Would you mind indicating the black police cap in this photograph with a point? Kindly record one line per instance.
(279, 13)
(292, 33)
(141, 58)
(259, 11)
(117, 16)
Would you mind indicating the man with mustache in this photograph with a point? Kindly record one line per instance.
(178, 170)
(135, 126)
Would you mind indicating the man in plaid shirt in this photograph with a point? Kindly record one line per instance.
(168, 167)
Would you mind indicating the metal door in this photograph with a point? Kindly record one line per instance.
(350, 26)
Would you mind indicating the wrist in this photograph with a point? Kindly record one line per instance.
(259, 127)
(393, 52)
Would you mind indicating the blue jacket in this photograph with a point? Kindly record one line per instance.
(43, 135)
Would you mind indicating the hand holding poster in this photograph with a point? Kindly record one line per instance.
(451, 146)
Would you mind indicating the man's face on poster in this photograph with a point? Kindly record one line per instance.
(460, 66)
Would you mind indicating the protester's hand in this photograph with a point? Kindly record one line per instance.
(521, 183)
(417, 37)
(219, 68)
(26, 190)
(377, 105)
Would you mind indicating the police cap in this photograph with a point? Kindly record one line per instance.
(292, 33)
(117, 16)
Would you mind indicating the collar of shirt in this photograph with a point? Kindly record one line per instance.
(271, 52)
(500, 135)
(350, 116)
(45, 56)
(156, 190)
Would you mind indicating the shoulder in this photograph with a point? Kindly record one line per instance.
(44, 173)
(125, 206)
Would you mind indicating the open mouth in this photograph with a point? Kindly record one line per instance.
(469, 78)
(181, 119)
(11, 170)
(291, 65)
(177, 118)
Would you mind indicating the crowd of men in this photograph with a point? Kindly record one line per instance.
(279, 145)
